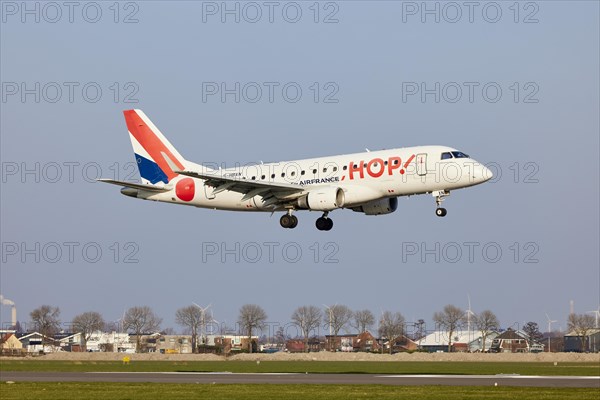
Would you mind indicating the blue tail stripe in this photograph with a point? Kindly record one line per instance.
(150, 170)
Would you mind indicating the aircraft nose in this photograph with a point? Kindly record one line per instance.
(487, 174)
(481, 173)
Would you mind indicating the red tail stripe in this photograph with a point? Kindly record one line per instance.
(150, 142)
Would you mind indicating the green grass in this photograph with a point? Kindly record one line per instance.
(116, 391)
(324, 367)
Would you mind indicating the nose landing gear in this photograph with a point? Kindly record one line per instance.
(439, 197)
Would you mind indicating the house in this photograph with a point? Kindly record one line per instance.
(110, 342)
(399, 344)
(574, 342)
(228, 343)
(462, 341)
(344, 342)
(297, 345)
(70, 341)
(9, 344)
(511, 341)
(147, 342)
(365, 342)
(174, 344)
(35, 342)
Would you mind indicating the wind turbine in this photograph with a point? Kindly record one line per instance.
(203, 320)
(330, 311)
(550, 322)
(469, 312)
(597, 314)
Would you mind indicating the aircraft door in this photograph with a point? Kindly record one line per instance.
(421, 164)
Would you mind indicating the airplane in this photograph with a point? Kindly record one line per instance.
(369, 182)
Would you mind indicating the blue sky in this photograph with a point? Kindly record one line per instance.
(66, 80)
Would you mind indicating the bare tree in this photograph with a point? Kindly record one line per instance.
(362, 320)
(251, 317)
(280, 337)
(533, 332)
(336, 317)
(391, 327)
(87, 323)
(306, 318)
(191, 318)
(581, 324)
(451, 319)
(141, 320)
(46, 320)
(486, 322)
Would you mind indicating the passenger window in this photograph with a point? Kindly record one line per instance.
(293, 173)
(302, 172)
(314, 171)
(272, 176)
(345, 167)
(446, 156)
(324, 170)
(283, 174)
(262, 177)
(334, 169)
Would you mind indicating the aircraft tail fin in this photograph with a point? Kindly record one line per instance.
(155, 156)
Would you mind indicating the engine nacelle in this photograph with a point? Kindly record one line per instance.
(326, 198)
(378, 207)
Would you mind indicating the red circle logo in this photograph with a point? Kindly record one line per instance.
(185, 189)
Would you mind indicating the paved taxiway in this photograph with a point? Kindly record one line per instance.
(327, 379)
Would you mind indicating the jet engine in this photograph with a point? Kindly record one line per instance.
(325, 198)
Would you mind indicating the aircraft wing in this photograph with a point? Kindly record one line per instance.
(273, 194)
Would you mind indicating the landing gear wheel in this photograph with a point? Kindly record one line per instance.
(324, 224)
(440, 212)
(288, 221)
(285, 221)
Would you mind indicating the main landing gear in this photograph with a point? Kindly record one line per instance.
(324, 223)
(290, 221)
(439, 197)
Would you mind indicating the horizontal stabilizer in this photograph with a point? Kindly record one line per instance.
(149, 188)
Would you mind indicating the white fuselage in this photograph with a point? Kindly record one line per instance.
(364, 177)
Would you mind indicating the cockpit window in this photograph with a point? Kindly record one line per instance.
(459, 154)
(446, 156)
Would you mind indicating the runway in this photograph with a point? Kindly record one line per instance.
(315, 379)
